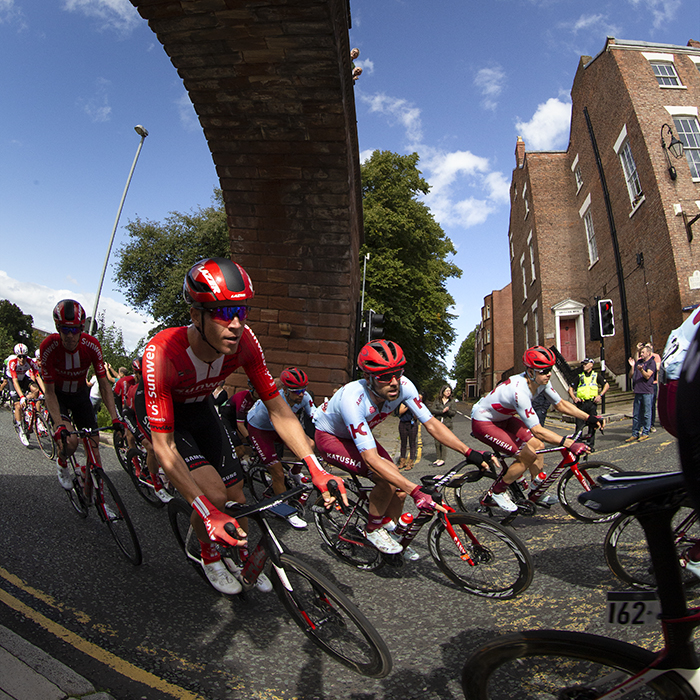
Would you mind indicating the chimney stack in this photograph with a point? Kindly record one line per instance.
(520, 152)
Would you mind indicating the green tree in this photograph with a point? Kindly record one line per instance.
(463, 366)
(152, 265)
(408, 265)
(112, 341)
(17, 327)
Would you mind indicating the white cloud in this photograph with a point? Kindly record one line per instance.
(399, 111)
(119, 15)
(188, 116)
(490, 81)
(38, 300)
(662, 11)
(97, 107)
(366, 65)
(549, 127)
(366, 154)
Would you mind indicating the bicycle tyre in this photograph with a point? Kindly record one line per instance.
(569, 488)
(179, 514)
(42, 430)
(552, 664)
(120, 526)
(330, 522)
(329, 619)
(501, 565)
(135, 456)
(627, 553)
(121, 448)
(76, 496)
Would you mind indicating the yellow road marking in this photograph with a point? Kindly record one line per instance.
(105, 657)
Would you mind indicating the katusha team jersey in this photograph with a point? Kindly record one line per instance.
(259, 417)
(67, 371)
(511, 398)
(172, 374)
(351, 413)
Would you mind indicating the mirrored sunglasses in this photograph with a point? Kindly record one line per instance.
(71, 330)
(226, 314)
(298, 392)
(544, 371)
(386, 377)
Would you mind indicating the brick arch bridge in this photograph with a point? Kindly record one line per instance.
(271, 83)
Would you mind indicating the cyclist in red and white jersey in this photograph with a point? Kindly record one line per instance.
(66, 357)
(181, 368)
(506, 420)
(344, 437)
(263, 436)
(25, 382)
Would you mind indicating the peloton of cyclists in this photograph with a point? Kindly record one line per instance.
(261, 433)
(66, 357)
(181, 368)
(344, 437)
(505, 419)
(24, 380)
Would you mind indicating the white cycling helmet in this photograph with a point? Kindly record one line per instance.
(21, 349)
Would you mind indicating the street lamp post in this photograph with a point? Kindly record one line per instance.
(142, 133)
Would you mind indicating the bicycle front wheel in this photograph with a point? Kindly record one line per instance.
(496, 565)
(112, 511)
(329, 619)
(554, 665)
(344, 534)
(570, 487)
(42, 428)
(136, 463)
(76, 495)
(121, 447)
(627, 554)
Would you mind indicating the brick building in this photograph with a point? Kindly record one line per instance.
(494, 340)
(605, 218)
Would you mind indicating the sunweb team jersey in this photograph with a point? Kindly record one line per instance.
(68, 370)
(512, 398)
(173, 374)
(259, 417)
(123, 384)
(351, 413)
(19, 370)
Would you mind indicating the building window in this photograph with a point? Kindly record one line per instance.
(535, 323)
(527, 208)
(522, 272)
(488, 336)
(576, 170)
(488, 361)
(590, 238)
(630, 169)
(531, 249)
(665, 73)
(510, 241)
(488, 311)
(526, 332)
(689, 133)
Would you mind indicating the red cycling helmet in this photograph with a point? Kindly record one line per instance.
(68, 313)
(539, 357)
(136, 365)
(380, 356)
(216, 280)
(294, 378)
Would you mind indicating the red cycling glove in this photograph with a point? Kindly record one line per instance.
(59, 434)
(119, 426)
(320, 477)
(423, 500)
(578, 449)
(214, 521)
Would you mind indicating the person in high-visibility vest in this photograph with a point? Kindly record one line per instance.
(587, 392)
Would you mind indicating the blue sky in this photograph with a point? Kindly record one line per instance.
(455, 81)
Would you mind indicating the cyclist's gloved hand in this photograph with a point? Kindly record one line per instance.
(423, 500)
(477, 458)
(215, 522)
(62, 433)
(593, 421)
(119, 426)
(320, 478)
(579, 448)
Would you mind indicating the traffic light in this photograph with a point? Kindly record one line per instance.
(375, 325)
(607, 318)
(594, 323)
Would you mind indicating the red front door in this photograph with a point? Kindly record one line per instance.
(567, 337)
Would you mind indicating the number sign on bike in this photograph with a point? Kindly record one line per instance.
(631, 609)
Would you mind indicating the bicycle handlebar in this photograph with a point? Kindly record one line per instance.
(235, 510)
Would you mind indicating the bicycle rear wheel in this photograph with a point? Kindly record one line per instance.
(627, 554)
(42, 428)
(121, 447)
(329, 619)
(76, 496)
(136, 461)
(343, 534)
(499, 564)
(554, 665)
(570, 487)
(112, 511)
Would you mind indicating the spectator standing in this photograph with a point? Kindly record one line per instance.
(443, 409)
(408, 432)
(643, 370)
(657, 360)
(587, 392)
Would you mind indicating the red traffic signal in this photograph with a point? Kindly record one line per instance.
(606, 315)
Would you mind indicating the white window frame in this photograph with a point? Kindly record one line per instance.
(629, 168)
(664, 59)
(692, 151)
(522, 272)
(510, 241)
(526, 331)
(535, 322)
(576, 170)
(586, 215)
(531, 249)
(488, 336)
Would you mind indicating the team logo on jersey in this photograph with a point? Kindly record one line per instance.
(357, 431)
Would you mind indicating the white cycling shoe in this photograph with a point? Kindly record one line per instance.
(262, 583)
(549, 499)
(296, 522)
(65, 476)
(220, 578)
(163, 495)
(504, 501)
(693, 567)
(383, 541)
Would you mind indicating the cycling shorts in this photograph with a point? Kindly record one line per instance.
(200, 438)
(78, 406)
(505, 436)
(343, 453)
(132, 421)
(23, 384)
(264, 443)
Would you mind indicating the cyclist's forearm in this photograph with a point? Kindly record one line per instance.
(174, 466)
(549, 436)
(386, 470)
(52, 404)
(570, 410)
(108, 397)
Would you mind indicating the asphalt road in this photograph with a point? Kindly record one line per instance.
(157, 631)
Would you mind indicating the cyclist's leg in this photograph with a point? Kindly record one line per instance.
(264, 443)
(512, 438)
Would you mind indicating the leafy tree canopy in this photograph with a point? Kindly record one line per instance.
(16, 328)
(408, 265)
(153, 263)
(112, 341)
(463, 367)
